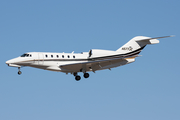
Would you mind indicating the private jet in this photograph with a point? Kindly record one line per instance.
(94, 60)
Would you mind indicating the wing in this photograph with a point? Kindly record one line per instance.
(95, 65)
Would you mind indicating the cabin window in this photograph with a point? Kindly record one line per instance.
(68, 56)
(62, 56)
(46, 55)
(52, 56)
(30, 55)
(57, 56)
(73, 56)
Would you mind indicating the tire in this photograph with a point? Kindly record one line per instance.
(19, 72)
(86, 75)
(78, 78)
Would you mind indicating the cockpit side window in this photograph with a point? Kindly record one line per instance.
(26, 55)
(23, 55)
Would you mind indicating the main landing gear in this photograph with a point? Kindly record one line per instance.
(19, 72)
(86, 75)
(77, 77)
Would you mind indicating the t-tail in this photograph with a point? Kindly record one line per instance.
(137, 44)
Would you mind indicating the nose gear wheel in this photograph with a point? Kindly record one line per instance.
(19, 72)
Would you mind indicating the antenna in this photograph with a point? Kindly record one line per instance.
(90, 53)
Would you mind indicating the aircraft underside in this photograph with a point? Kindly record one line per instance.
(75, 69)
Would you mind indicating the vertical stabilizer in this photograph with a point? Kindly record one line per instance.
(138, 43)
(134, 44)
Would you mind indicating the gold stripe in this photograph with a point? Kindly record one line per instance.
(131, 58)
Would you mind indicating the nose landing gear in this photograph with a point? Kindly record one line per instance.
(19, 72)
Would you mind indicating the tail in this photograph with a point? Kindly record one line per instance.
(137, 44)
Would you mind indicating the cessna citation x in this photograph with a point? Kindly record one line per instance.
(93, 60)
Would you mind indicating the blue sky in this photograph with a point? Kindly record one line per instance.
(146, 89)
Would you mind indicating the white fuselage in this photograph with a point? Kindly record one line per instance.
(53, 61)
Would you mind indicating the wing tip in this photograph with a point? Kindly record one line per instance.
(172, 36)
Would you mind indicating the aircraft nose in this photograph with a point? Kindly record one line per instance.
(7, 62)
(12, 63)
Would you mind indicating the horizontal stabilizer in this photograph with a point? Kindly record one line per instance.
(150, 40)
(155, 38)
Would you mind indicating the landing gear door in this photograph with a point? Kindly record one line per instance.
(40, 58)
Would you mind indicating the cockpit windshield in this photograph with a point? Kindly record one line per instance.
(26, 55)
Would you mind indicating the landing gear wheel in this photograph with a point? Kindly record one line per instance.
(78, 78)
(19, 72)
(86, 75)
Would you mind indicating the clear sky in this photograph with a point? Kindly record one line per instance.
(147, 89)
